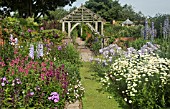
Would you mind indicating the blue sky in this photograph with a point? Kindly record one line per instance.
(147, 7)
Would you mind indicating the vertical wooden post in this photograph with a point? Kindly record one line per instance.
(63, 26)
(81, 31)
(96, 26)
(102, 28)
(102, 41)
(69, 29)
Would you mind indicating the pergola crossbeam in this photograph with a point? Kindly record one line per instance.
(82, 15)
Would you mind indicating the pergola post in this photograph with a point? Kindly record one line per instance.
(69, 29)
(96, 26)
(102, 40)
(102, 28)
(63, 26)
(81, 30)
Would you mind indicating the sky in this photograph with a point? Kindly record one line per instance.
(147, 7)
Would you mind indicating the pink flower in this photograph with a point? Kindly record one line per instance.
(13, 72)
(44, 69)
(42, 28)
(26, 72)
(42, 76)
(29, 30)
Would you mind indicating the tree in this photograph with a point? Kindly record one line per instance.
(58, 14)
(107, 9)
(36, 8)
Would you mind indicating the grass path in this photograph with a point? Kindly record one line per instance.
(93, 98)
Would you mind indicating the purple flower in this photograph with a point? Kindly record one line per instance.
(56, 100)
(54, 97)
(16, 81)
(59, 48)
(56, 36)
(50, 98)
(4, 79)
(29, 30)
(31, 93)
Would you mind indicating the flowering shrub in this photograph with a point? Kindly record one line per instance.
(103, 62)
(37, 71)
(142, 81)
(28, 83)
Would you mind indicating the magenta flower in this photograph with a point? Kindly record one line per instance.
(29, 30)
(54, 97)
(59, 48)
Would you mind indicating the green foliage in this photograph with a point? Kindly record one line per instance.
(164, 48)
(109, 10)
(57, 14)
(31, 8)
(138, 43)
(116, 31)
(94, 43)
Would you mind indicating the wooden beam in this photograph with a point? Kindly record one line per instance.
(63, 26)
(69, 29)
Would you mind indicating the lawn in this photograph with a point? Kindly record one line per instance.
(94, 98)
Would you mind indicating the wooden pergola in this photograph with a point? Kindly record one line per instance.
(83, 15)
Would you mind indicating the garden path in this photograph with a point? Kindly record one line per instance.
(85, 52)
(94, 97)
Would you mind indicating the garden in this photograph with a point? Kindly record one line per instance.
(39, 69)
(137, 73)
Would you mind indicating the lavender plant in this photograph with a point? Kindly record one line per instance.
(149, 33)
(166, 29)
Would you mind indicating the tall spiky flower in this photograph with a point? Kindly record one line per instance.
(152, 32)
(39, 50)
(166, 29)
(146, 29)
(31, 51)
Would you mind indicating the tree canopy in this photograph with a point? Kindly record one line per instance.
(112, 9)
(36, 8)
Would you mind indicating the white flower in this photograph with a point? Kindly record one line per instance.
(146, 79)
(130, 101)
(125, 99)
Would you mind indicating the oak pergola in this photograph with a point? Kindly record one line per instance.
(82, 15)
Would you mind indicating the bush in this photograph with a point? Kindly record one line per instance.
(141, 80)
(38, 71)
